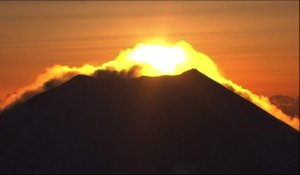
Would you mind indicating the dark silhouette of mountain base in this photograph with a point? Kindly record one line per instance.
(169, 124)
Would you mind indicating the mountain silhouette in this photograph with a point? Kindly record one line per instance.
(169, 124)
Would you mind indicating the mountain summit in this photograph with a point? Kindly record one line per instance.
(169, 124)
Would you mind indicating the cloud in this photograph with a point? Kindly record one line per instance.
(109, 72)
(51, 84)
(52, 77)
(58, 74)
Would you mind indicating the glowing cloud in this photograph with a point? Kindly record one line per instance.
(158, 59)
(58, 73)
(154, 58)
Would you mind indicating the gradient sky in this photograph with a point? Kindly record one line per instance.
(255, 44)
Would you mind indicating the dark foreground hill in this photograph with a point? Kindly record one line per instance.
(170, 124)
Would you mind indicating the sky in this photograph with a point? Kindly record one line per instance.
(254, 43)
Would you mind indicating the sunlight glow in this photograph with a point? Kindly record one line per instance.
(163, 59)
(157, 57)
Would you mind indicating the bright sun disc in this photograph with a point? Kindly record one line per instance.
(162, 58)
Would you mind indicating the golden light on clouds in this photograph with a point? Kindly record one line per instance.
(156, 58)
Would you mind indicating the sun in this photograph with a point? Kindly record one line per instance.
(164, 59)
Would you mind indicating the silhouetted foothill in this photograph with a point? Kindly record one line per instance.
(169, 124)
(288, 105)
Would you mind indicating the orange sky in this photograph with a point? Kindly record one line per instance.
(256, 44)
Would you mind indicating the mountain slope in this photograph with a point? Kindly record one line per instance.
(185, 124)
